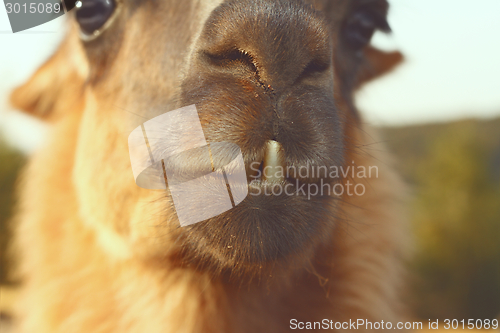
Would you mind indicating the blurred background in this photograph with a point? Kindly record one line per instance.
(439, 113)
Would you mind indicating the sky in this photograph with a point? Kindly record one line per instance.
(452, 68)
(451, 71)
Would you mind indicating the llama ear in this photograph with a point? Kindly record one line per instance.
(378, 63)
(56, 87)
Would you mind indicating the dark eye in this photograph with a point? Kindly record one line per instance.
(92, 15)
(361, 26)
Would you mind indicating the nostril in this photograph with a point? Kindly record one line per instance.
(230, 58)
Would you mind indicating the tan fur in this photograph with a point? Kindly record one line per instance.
(91, 262)
(78, 287)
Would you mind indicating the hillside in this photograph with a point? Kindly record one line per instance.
(454, 173)
(411, 144)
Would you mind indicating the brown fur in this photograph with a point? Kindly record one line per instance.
(99, 254)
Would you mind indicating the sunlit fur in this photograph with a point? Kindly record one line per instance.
(99, 254)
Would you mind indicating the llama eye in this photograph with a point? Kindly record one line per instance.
(361, 26)
(92, 15)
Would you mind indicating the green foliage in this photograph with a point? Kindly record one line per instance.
(10, 164)
(456, 219)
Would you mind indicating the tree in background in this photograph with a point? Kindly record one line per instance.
(457, 228)
(10, 164)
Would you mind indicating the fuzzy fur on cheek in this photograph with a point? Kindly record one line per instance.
(98, 185)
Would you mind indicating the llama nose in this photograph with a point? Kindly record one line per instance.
(260, 41)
